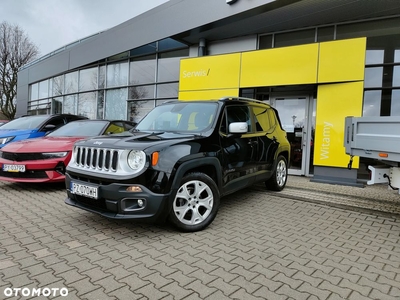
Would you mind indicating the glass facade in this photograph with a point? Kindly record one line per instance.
(88, 79)
(382, 63)
(382, 76)
(126, 86)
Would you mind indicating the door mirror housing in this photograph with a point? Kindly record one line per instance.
(49, 127)
(238, 127)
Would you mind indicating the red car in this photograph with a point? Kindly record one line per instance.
(44, 159)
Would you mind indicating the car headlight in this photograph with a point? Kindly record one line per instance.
(136, 160)
(55, 154)
(6, 140)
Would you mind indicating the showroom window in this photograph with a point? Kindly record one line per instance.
(294, 38)
(142, 70)
(144, 50)
(87, 104)
(110, 90)
(70, 104)
(88, 79)
(117, 74)
(138, 109)
(58, 85)
(35, 91)
(71, 82)
(141, 92)
(57, 105)
(115, 104)
(44, 89)
(382, 76)
(102, 77)
(100, 104)
(168, 69)
(168, 90)
(325, 34)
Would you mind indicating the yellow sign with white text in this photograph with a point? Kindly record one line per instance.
(210, 72)
(335, 102)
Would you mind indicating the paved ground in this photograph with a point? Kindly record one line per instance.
(312, 241)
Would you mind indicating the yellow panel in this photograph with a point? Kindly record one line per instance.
(342, 60)
(208, 94)
(210, 72)
(280, 66)
(334, 103)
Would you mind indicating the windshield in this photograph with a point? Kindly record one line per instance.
(80, 129)
(31, 122)
(183, 116)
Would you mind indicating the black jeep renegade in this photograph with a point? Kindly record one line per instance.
(179, 160)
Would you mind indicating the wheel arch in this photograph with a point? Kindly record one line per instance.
(285, 154)
(207, 165)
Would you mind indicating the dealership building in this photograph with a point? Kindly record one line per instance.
(315, 61)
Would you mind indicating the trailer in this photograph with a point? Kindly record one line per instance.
(376, 138)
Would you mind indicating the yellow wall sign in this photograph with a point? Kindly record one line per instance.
(210, 72)
(335, 102)
(341, 61)
(280, 66)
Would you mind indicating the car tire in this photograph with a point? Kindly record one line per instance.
(278, 179)
(195, 204)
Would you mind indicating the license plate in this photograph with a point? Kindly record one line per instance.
(84, 190)
(13, 168)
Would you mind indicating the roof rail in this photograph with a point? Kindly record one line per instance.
(243, 99)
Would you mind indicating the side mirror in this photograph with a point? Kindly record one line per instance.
(49, 127)
(238, 127)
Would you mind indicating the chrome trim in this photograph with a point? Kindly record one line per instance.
(97, 158)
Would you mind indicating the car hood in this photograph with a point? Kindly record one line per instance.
(138, 140)
(43, 144)
(15, 132)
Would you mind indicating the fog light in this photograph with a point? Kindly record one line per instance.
(140, 203)
(134, 188)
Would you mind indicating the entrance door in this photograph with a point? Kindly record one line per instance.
(297, 114)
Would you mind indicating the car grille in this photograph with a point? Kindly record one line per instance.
(96, 158)
(22, 156)
(27, 174)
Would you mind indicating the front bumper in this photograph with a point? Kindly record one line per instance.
(36, 171)
(115, 202)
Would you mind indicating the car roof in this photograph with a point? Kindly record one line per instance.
(103, 120)
(225, 100)
(54, 115)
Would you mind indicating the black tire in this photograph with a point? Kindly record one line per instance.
(195, 204)
(278, 179)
